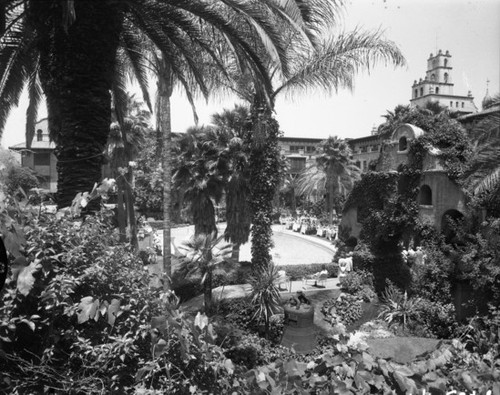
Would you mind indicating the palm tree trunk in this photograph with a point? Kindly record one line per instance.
(265, 177)
(330, 203)
(121, 218)
(132, 222)
(76, 69)
(165, 82)
(235, 254)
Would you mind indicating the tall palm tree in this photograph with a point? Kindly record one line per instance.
(69, 48)
(330, 64)
(125, 141)
(333, 174)
(233, 127)
(200, 172)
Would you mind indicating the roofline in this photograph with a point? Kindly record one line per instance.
(301, 139)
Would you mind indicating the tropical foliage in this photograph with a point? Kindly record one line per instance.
(58, 47)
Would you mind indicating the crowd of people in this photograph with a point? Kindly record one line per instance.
(306, 224)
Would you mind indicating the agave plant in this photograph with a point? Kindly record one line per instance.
(265, 294)
(201, 255)
(397, 307)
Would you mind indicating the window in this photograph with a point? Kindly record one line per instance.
(421, 91)
(445, 77)
(364, 149)
(39, 135)
(437, 90)
(375, 148)
(297, 164)
(451, 104)
(41, 159)
(365, 165)
(296, 148)
(425, 195)
(310, 149)
(456, 104)
(358, 164)
(416, 93)
(433, 77)
(446, 63)
(462, 104)
(403, 144)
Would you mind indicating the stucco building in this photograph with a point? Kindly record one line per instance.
(40, 156)
(299, 151)
(438, 197)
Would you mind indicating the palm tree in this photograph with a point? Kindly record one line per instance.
(334, 172)
(482, 178)
(125, 141)
(290, 185)
(70, 49)
(233, 127)
(330, 64)
(201, 173)
(201, 255)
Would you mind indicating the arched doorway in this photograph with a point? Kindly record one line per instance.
(449, 221)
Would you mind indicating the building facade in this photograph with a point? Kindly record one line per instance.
(300, 152)
(40, 156)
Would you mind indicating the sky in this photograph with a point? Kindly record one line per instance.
(468, 29)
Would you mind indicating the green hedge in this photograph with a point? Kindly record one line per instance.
(298, 272)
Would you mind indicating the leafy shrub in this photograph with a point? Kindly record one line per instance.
(435, 319)
(432, 280)
(360, 284)
(482, 334)
(346, 308)
(362, 258)
(79, 311)
(352, 283)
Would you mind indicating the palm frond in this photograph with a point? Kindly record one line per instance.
(339, 58)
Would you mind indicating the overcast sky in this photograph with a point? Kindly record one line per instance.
(468, 29)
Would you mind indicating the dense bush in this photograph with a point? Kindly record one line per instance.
(75, 319)
(362, 258)
(346, 308)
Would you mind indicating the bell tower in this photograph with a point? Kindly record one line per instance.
(437, 86)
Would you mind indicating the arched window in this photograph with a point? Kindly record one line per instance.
(421, 91)
(39, 135)
(456, 104)
(416, 93)
(451, 104)
(437, 90)
(403, 144)
(433, 77)
(446, 63)
(462, 104)
(425, 195)
(445, 77)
